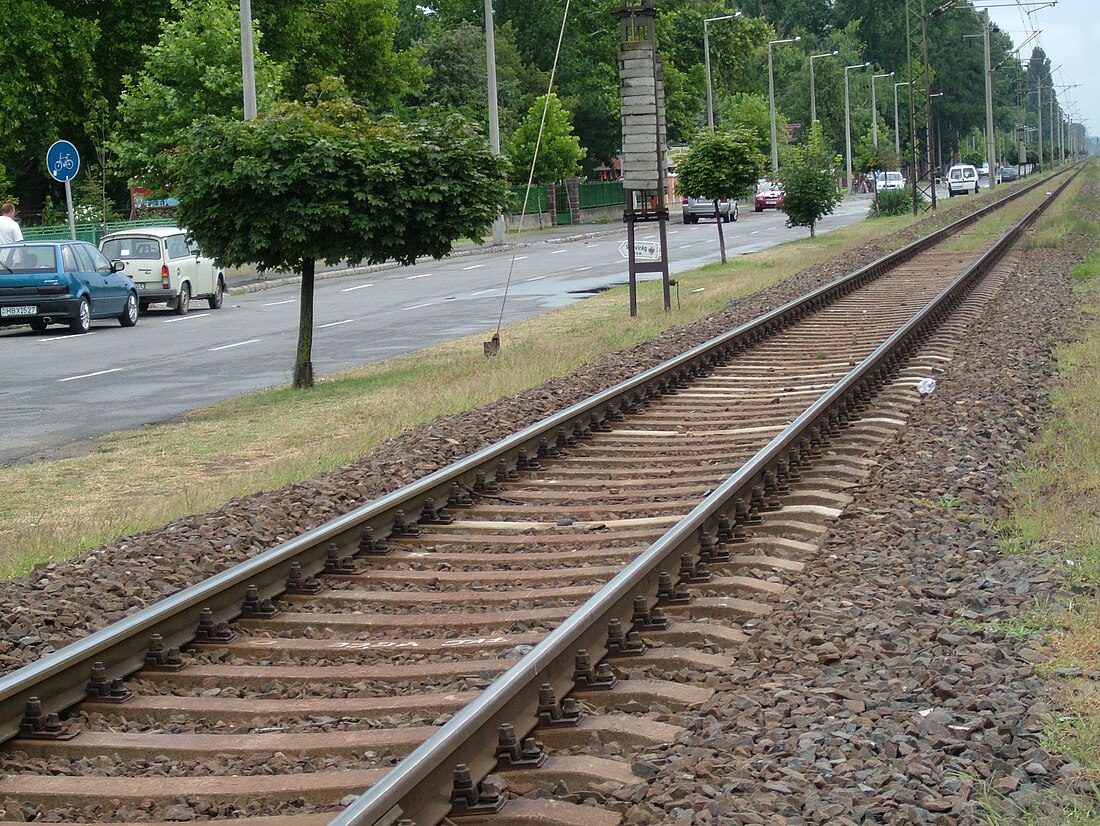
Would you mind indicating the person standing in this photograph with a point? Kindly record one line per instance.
(9, 230)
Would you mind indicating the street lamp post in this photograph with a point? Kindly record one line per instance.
(771, 99)
(813, 95)
(706, 63)
(874, 109)
(248, 67)
(494, 115)
(848, 122)
(897, 134)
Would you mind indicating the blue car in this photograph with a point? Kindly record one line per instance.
(63, 282)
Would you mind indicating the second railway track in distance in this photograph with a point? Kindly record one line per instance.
(465, 620)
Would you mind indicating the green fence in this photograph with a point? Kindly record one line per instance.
(592, 195)
(89, 232)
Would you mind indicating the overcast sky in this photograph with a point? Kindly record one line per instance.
(1069, 33)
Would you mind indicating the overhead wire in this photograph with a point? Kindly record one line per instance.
(534, 160)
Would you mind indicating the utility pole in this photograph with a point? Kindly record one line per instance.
(248, 67)
(494, 116)
(990, 148)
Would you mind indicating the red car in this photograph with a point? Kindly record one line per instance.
(768, 196)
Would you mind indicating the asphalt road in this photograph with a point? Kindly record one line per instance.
(60, 390)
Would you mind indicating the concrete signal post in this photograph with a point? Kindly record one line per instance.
(641, 86)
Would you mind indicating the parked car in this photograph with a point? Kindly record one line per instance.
(962, 178)
(696, 208)
(885, 181)
(1009, 173)
(167, 267)
(768, 195)
(63, 282)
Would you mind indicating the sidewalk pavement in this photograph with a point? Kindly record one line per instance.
(249, 279)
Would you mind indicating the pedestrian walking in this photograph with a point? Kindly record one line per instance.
(9, 230)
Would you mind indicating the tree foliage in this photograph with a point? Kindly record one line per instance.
(559, 150)
(194, 70)
(720, 165)
(326, 181)
(809, 182)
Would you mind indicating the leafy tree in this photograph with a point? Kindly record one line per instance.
(321, 180)
(750, 112)
(194, 70)
(868, 158)
(350, 39)
(720, 165)
(559, 150)
(809, 183)
(43, 87)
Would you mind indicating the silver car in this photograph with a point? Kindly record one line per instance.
(696, 208)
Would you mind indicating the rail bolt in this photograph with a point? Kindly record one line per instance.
(297, 584)
(470, 799)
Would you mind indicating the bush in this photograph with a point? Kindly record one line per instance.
(894, 202)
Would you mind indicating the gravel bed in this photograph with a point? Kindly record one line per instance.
(900, 697)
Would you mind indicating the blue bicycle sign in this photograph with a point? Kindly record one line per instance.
(62, 161)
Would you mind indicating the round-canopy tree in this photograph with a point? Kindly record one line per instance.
(809, 182)
(720, 165)
(324, 181)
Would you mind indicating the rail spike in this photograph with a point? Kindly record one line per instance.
(511, 754)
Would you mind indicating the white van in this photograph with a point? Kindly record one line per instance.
(961, 179)
(166, 267)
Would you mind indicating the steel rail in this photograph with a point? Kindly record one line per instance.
(61, 679)
(418, 788)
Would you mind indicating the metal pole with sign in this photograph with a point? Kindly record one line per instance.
(63, 162)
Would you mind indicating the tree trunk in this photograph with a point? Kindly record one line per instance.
(721, 237)
(811, 230)
(303, 366)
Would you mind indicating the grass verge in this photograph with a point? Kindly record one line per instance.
(1056, 510)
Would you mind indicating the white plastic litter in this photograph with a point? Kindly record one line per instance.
(925, 387)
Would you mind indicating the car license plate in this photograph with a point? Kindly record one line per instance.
(26, 310)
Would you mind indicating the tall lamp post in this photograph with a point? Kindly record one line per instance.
(494, 115)
(248, 67)
(897, 134)
(706, 63)
(813, 95)
(848, 122)
(874, 108)
(771, 99)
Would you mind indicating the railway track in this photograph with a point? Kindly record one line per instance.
(537, 613)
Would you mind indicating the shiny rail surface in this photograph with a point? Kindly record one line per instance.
(607, 481)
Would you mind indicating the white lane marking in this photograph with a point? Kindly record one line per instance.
(335, 323)
(230, 346)
(418, 306)
(685, 246)
(277, 303)
(422, 275)
(473, 267)
(581, 269)
(536, 278)
(592, 246)
(90, 375)
(754, 232)
(184, 318)
(483, 292)
(520, 258)
(359, 287)
(558, 252)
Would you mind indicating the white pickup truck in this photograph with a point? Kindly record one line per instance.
(166, 267)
